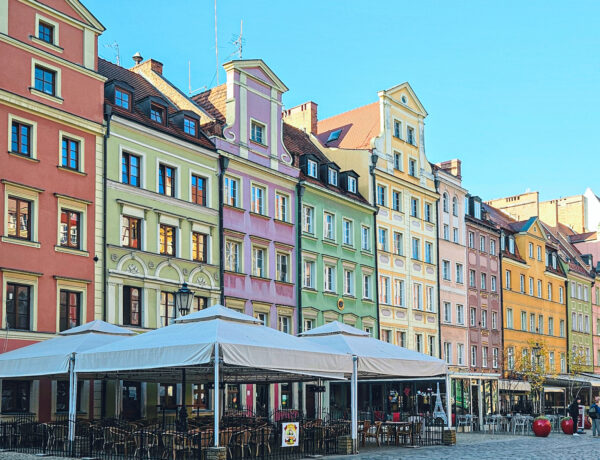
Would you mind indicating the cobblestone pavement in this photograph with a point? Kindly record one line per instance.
(468, 446)
(479, 446)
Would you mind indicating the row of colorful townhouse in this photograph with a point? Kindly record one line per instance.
(117, 188)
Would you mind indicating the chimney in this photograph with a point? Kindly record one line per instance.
(137, 58)
(156, 66)
(303, 116)
(151, 65)
(451, 166)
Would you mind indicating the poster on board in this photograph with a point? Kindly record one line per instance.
(290, 434)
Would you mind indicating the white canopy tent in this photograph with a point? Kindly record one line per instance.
(374, 358)
(57, 356)
(210, 343)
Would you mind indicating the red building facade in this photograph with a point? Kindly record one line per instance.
(51, 120)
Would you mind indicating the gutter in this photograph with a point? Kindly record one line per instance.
(223, 163)
(374, 158)
(108, 115)
(299, 194)
(568, 329)
(437, 241)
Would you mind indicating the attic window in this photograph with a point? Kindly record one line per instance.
(122, 98)
(189, 126)
(334, 135)
(311, 168)
(352, 184)
(333, 176)
(477, 210)
(404, 100)
(157, 113)
(511, 245)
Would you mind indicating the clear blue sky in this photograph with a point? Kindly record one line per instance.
(511, 87)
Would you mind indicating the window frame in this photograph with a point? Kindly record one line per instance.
(199, 196)
(163, 242)
(130, 228)
(162, 176)
(195, 247)
(126, 164)
(254, 126)
(127, 308)
(258, 201)
(128, 98)
(30, 204)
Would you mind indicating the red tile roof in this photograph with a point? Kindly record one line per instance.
(213, 101)
(358, 127)
(142, 89)
(580, 237)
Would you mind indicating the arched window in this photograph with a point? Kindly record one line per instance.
(445, 202)
(454, 206)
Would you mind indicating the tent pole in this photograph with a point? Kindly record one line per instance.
(72, 401)
(354, 403)
(216, 394)
(448, 399)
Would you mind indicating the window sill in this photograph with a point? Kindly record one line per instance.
(284, 222)
(19, 241)
(310, 236)
(329, 241)
(252, 141)
(23, 156)
(231, 272)
(348, 247)
(366, 299)
(331, 293)
(75, 252)
(261, 278)
(309, 289)
(285, 283)
(262, 216)
(35, 92)
(349, 296)
(62, 168)
(51, 46)
(234, 208)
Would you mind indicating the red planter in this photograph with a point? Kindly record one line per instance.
(567, 426)
(542, 428)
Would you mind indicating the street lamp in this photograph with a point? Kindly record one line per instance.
(183, 299)
(183, 302)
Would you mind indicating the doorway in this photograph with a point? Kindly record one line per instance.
(262, 400)
(132, 400)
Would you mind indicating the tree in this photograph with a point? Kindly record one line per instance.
(577, 365)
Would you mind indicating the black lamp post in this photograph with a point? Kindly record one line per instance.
(183, 302)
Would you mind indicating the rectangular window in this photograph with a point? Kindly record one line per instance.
(308, 221)
(446, 270)
(189, 126)
(401, 337)
(365, 233)
(429, 253)
(381, 195)
(132, 301)
(473, 317)
(20, 141)
(70, 154)
(460, 314)
(429, 299)
(459, 274)
(45, 80)
(232, 256)
(494, 320)
(167, 308)
(62, 396)
(427, 212)
(540, 328)
(410, 137)
(382, 239)
(396, 201)
(508, 279)
(549, 291)
(561, 295)
(419, 342)
(232, 187)
(46, 32)
(522, 283)
(263, 318)
(551, 361)
(308, 324)
(168, 240)
(166, 180)
(311, 168)
(131, 232)
(130, 169)
(167, 396)
(258, 200)
(384, 290)
(416, 249)
(199, 247)
(509, 318)
(328, 226)
(472, 282)
(199, 190)
(347, 232)
(399, 293)
(199, 303)
(493, 247)
(259, 263)
(561, 326)
(70, 310)
(530, 250)
(471, 240)
(446, 234)
(418, 296)
(484, 319)
(283, 324)
(397, 161)
(531, 286)
(539, 253)
(414, 207)
(257, 133)
(539, 289)
(563, 363)
(495, 358)
(18, 306)
(397, 130)
(460, 354)
(309, 274)
(483, 281)
(283, 267)
(431, 340)
(348, 282)
(531, 322)
(482, 243)
(386, 335)
(157, 113)
(282, 205)
(122, 98)
(367, 287)
(493, 283)
(484, 356)
(15, 395)
(447, 312)
(473, 355)
(448, 352)
(510, 357)
(352, 184)
(70, 234)
(332, 176)
(329, 281)
(550, 326)
(455, 235)
(19, 218)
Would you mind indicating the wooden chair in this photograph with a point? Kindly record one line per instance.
(403, 431)
(176, 444)
(121, 440)
(364, 431)
(242, 440)
(374, 433)
(145, 442)
(261, 438)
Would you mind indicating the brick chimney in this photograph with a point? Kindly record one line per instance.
(303, 116)
(452, 167)
(151, 64)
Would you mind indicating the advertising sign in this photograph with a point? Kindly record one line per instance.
(581, 418)
(290, 434)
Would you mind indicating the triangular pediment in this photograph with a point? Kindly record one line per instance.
(533, 227)
(404, 94)
(258, 70)
(76, 10)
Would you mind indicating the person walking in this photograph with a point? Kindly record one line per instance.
(574, 413)
(594, 413)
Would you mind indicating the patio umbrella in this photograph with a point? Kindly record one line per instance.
(56, 357)
(214, 341)
(373, 358)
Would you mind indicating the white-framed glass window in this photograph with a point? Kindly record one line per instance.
(509, 318)
(347, 232)
(259, 262)
(484, 319)
(352, 186)
(550, 326)
(495, 358)
(448, 352)
(381, 195)
(530, 286)
(311, 168)
(446, 270)
(472, 281)
(428, 252)
(539, 289)
(445, 202)
(471, 240)
(454, 206)
(283, 267)
(460, 314)
(539, 253)
(258, 200)
(396, 201)
(460, 354)
(447, 312)
(492, 247)
(561, 327)
(232, 191)
(473, 355)
(446, 232)
(507, 284)
(365, 237)
(459, 273)
(397, 129)
(257, 133)
(284, 324)
(412, 167)
(398, 244)
(367, 280)
(416, 249)
(510, 357)
(494, 320)
(427, 212)
(482, 243)
(309, 274)
(419, 342)
(263, 317)
(398, 161)
(523, 321)
(308, 221)
(308, 324)
(399, 293)
(531, 322)
(473, 317)
(282, 207)
(493, 285)
(382, 239)
(329, 280)
(418, 296)
(484, 356)
(414, 207)
(328, 226)
(522, 283)
(332, 176)
(455, 235)
(384, 290)
(549, 291)
(232, 256)
(429, 298)
(349, 282)
(511, 245)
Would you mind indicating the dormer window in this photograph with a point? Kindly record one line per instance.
(351, 184)
(511, 245)
(334, 135)
(157, 113)
(46, 32)
(258, 133)
(122, 98)
(554, 261)
(311, 168)
(477, 206)
(189, 126)
(333, 177)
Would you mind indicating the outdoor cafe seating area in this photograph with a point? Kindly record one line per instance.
(503, 424)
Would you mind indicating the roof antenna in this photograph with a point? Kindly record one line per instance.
(239, 41)
(115, 46)
(216, 43)
(190, 91)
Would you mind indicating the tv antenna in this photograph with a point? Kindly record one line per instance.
(115, 47)
(190, 91)
(239, 41)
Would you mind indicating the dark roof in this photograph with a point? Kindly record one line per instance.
(213, 101)
(580, 237)
(575, 262)
(298, 143)
(142, 89)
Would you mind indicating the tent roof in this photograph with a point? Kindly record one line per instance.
(375, 357)
(246, 348)
(51, 357)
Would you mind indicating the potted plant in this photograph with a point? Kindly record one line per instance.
(542, 426)
(566, 423)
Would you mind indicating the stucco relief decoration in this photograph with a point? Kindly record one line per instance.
(286, 158)
(384, 259)
(430, 271)
(201, 281)
(386, 312)
(417, 267)
(399, 263)
(114, 257)
(150, 264)
(398, 217)
(185, 271)
(133, 269)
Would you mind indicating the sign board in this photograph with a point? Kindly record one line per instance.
(290, 434)
(581, 418)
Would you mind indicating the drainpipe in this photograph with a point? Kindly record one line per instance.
(374, 159)
(299, 194)
(501, 276)
(107, 115)
(437, 240)
(223, 164)
(568, 329)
